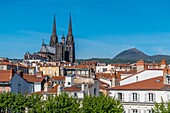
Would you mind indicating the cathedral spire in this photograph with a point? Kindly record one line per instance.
(54, 38)
(54, 27)
(70, 27)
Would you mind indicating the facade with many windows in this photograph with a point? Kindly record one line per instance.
(140, 97)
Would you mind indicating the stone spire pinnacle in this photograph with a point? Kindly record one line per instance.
(54, 27)
(70, 26)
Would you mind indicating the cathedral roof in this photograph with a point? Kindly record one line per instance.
(47, 49)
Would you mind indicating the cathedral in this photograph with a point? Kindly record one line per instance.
(57, 51)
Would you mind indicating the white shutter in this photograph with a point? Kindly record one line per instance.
(146, 98)
(123, 97)
(144, 111)
(130, 94)
(154, 97)
(138, 97)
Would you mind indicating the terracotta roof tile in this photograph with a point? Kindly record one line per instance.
(149, 84)
(73, 89)
(54, 89)
(32, 78)
(58, 78)
(5, 75)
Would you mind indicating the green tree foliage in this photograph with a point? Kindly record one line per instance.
(101, 104)
(34, 104)
(18, 103)
(162, 107)
(61, 104)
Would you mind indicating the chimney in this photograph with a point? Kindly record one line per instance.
(11, 72)
(166, 72)
(163, 63)
(59, 89)
(140, 65)
(83, 87)
(21, 73)
(46, 87)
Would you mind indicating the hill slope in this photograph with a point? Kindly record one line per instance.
(132, 54)
(135, 54)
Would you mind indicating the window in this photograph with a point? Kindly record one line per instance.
(94, 91)
(75, 94)
(134, 96)
(1, 67)
(134, 111)
(69, 83)
(19, 88)
(149, 111)
(168, 80)
(150, 97)
(3, 88)
(120, 96)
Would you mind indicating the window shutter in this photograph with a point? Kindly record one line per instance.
(146, 98)
(138, 97)
(130, 94)
(123, 98)
(144, 111)
(168, 96)
(154, 97)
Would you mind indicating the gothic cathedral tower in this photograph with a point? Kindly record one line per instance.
(54, 38)
(70, 45)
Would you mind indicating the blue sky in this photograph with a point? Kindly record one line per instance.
(102, 28)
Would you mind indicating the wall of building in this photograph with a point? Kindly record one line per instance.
(142, 104)
(50, 70)
(147, 74)
(37, 86)
(15, 88)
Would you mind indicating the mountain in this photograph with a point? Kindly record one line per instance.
(135, 54)
(131, 54)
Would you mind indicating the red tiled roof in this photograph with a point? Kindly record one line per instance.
(73, 89)
(149, 84)
(108, 75)
(58, 78)
(54, 89)
(32, 78)
(5, 76)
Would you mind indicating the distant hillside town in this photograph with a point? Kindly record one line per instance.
(53, 70)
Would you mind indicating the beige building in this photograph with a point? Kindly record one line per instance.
(50, 70)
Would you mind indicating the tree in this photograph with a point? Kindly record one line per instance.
(61, 104)
(34, 104)
(6, 101)
(19, 103)
(162, 107)
(101, 104)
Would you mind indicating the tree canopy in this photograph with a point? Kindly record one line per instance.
(63, 103)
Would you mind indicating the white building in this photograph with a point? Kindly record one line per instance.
(78, 87)
(143, 75)
(140, 96)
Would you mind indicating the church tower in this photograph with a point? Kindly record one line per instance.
(54, 38)
(70, 45)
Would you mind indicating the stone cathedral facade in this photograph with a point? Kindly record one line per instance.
(57, 51)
